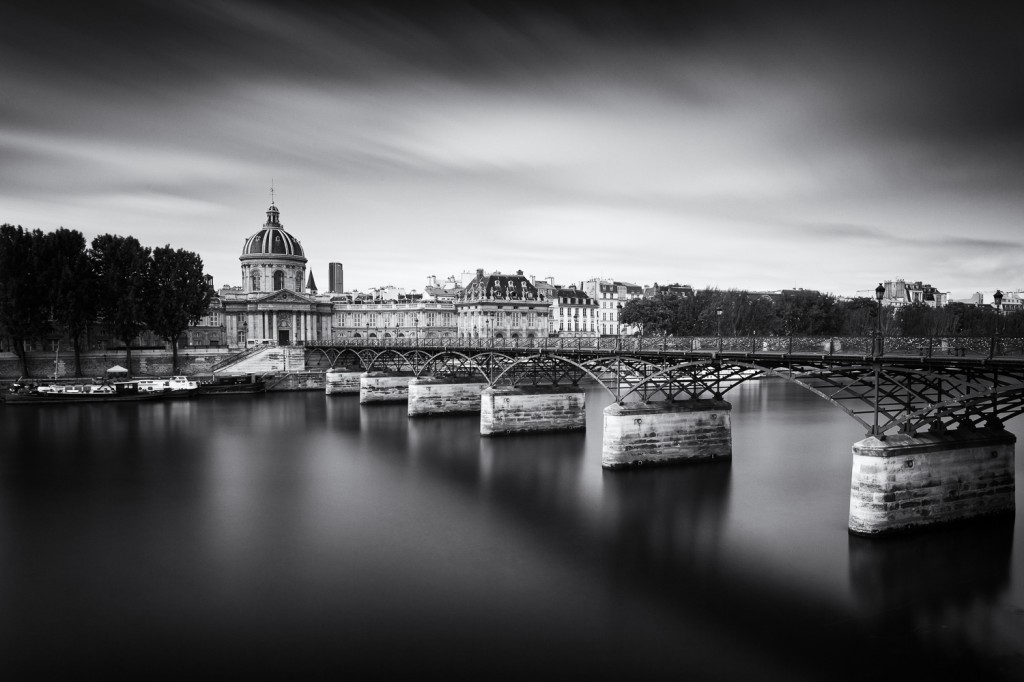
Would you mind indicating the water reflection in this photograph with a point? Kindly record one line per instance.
(541, 470)
(282, 530)
(938, 590)
(666, 522)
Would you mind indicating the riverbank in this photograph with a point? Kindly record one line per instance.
(49, 365)
(197, 364)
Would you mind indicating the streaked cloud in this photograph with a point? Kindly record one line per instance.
(736, 146)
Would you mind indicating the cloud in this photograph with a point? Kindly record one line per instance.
(751, 146)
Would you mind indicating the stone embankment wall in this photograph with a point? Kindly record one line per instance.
(904, 481)
(155, 363)
(428, 395)
(666, 432)
(532, 408)
(298, 381)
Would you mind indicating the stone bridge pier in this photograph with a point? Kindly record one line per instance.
(343, 381)
(384, 387)
(666, 432)
(527, 409)
(438, 395)
(905, 482)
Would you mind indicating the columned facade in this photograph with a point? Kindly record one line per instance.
(270, 306)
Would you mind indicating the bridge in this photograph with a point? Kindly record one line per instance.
(932, 408)
(910, 384)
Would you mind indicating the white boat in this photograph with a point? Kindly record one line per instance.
(180, 383)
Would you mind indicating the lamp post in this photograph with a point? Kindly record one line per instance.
(416, 319)
(994, 422)
(877, 350)
(245, 334)
(879, 295)
(618, 325)
(718, 319)
(997, 298)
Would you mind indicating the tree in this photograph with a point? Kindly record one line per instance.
(121, 265)
(24, 313)
(71, 286)
(176, 295)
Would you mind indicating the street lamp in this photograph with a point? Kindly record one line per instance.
(997, 298)
(718, 318)
(245, 333)
(416, 319)
(618, 325)
(879, 295)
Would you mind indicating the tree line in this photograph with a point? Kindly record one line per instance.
(806, 313)
(53, 284)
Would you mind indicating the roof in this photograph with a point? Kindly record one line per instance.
(499, 286)
(272, 239)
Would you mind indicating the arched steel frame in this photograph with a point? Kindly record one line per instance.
(883, 394)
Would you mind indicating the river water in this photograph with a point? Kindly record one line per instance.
(294, 532)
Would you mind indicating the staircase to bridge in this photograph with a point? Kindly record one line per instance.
(265, 360)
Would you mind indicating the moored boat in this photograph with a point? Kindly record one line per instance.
(105, 392)
(122, 391)
(233, 385)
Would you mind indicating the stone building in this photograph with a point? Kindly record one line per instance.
(899, 292)
(501, 306)
(574, 313)
(355, 317)
(271, 306)
(610, 296)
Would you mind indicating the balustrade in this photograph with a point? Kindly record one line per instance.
(916, 346)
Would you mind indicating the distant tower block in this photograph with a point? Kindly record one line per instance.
(335, 278)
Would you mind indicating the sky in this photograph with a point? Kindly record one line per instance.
(744, 145)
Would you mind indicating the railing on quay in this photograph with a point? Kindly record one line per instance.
(915, 346)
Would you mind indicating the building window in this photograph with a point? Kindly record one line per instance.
(278, 280)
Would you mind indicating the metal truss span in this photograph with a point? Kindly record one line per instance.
(885, 394)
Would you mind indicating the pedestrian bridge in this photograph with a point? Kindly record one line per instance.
(907, 385)
(934, 403)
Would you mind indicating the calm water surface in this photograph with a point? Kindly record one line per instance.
(291, 533)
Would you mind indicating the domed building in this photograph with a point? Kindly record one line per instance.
(271, 305)
(272, 259)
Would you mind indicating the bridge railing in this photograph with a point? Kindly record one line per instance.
(922, 346)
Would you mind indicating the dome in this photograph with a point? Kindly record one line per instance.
(272, 239)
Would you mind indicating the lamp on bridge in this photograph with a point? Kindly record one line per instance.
(618, 324)
(879, 295)
(997, 298)
(416, 319)
(718, 318)
(245, 333)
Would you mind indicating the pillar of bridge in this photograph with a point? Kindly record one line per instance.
(666, 432)
(343, 381)
(384, 387)
(906, 482)
(531, 409)
(438, 395)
